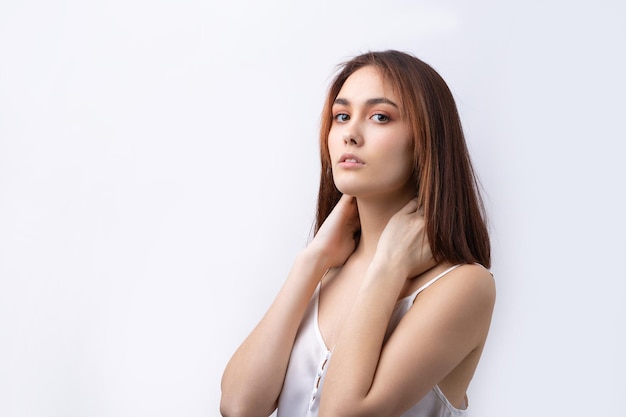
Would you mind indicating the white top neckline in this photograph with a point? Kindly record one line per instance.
(411, 296)
(304, 380)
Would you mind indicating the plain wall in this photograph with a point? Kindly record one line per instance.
(159, 168)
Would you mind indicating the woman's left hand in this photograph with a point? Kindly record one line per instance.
(404, 242)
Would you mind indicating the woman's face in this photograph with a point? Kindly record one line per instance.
(370, 141)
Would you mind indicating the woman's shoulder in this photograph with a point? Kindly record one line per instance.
(471, 279)
(460, 276)
(475, 276)
(474, 271)
(467, 287)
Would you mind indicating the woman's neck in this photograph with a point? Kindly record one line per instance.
(374, 215)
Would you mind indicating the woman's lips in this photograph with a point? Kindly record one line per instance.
(349, 160)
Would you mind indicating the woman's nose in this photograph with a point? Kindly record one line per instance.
(351, 137)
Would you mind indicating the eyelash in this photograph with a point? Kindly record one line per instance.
(339, 117)
(383, 116)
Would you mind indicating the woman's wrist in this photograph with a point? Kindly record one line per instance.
(313, 260)
(388, 266)
(385, 272)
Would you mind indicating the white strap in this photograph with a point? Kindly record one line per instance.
(432, 281)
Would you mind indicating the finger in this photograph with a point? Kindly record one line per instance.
(411, 206)
(347, 206)
(345, 199)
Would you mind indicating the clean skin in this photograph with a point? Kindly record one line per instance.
(440, 339)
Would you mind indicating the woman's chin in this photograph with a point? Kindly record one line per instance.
(350, 189)
(386, 193)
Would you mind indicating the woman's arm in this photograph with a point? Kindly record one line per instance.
(254, 376)
(442, 327)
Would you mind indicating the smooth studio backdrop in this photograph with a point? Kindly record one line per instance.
(159, 168)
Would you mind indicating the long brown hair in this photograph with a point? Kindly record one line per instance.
(447, 187)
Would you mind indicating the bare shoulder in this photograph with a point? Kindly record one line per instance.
(468, 280)
(440, 339)
(473, 278)
(464, 295)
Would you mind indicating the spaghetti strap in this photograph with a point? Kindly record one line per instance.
(483, 266)
(432, 281)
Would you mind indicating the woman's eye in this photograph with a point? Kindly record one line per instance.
(342, 117)
(381, 118)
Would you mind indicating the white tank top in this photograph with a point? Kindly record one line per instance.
(300, 396)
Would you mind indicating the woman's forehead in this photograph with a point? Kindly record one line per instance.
(366, 83)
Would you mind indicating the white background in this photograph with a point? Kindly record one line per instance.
(159, 168)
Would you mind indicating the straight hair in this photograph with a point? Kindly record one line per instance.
(446, 184)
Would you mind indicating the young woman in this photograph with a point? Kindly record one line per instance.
(386, 312)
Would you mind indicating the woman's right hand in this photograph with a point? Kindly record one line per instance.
(335, 240)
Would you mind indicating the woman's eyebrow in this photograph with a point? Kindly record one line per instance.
(381, 100)
(368, 103)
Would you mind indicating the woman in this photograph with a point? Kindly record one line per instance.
(387, 310)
